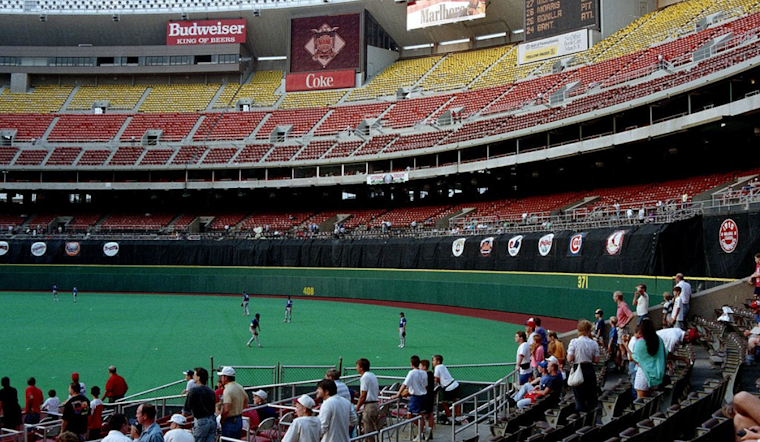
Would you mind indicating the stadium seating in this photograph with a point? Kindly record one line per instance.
(348, 117)
(302, 100)
(300, 121)
(228, 126)
(282, 153)
(156, 157)
(252, 153)
(221, 155)
(174, 127)
(275, 221)
(63, 156)
(78, 127)
(41, 99)
(343, 149)
(125, 221)
(179, 98)
(315, 150)
(7, 154)
(403, 217)
(94, 157)
(31, 157)
(126, 156)
(27, 126)
(261, 90)
(119, 97)
(188, 155)
(458, 70)
(403, 73)
(407, 113)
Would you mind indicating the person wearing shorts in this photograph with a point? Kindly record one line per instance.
(415, 386)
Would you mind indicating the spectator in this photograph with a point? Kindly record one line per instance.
(219, 391)
(672, 338)
(95, 419)
(176, 432)
(337, 416)
(541, 332)
(522, 358)
(368, 399)
(754, 278)
(146, 417)
(51, 405)
(135, 431)
(116, 386)
(119, 428)
(624, 316)
(234, 401)
(430, 403)
(530, 329)
(550, 384)
(264, 411)
(616, 356)
(305, 427)
(536, 353)
(556, 348)
(82, 387)
(415, 386)
(667, 308)
(200, 404)
(10, 406)
(649, 354)
(677, 317)
(599, 326)
(190, 381)
(33, 396)
(75, 412)
(343, 390)
(583, 352)
(449, 387)
(685, 294)
(641, 301)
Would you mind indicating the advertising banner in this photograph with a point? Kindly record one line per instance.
(424, 13)
(314, 81)
(558, 46)
(204, 32)
(325, 42)
(388, 178)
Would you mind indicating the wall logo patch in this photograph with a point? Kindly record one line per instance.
(72, 248)
(4, 247)
(728, 235)
(486, 246)
(39, 248)
(576, 244)
(111, 248)
(545, 244)
(514, 244)
(615, 242)
(457, 247)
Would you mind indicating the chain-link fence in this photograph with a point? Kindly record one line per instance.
(470, 373)
(249, 375)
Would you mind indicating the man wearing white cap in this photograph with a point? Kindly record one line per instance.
(304, 428)
(176, 433)
(234, 400)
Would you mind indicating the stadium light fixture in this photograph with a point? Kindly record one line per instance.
(454, 42)
(518, 31)
(491, 36)
(272, 58)
(422, 46)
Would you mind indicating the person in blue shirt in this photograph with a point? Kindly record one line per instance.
(244, 304)
(288, 310)
(74, 292)
(599, 326)
(402, 330)
(55, 292)
(255, 327)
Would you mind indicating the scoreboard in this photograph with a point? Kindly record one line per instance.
(547, 18)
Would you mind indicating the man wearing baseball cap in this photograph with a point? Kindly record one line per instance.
(260, 400)
(176, 431)
(234, 400)
(530, 329)
(306, 427)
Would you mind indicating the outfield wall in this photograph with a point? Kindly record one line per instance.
(568, 296)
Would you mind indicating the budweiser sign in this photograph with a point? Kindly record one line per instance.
(313, 81)
(205, 32)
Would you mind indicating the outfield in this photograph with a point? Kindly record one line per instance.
(152, 338)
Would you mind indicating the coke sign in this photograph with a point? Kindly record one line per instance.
(205, 32)
(315, 81)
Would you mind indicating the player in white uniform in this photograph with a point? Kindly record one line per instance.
(402, 330)
(55, 292)
(288, 310)
(255, 327)
(244, 304)
(74, 293)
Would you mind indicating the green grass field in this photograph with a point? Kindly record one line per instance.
(153, 338)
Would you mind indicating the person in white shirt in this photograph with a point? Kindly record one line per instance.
(449, 386)
(641, 301)
(368, 399)
(337, 416)
(415, 386)
(190, 381)
(304, 428)
(522, 359)
(51, 405)
(677, 317)
(685, 294)
(672, 338)
(119, 429)
(342, 388)
(176, 432)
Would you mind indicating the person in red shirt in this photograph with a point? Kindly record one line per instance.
(116, 386)
(754, 279)
(34, 400)
(95, 419)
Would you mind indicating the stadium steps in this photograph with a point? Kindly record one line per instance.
(49, 129)
(321, 120)
(252, 135)
(142, 155)
(489, 68)
(171, 157)
(277, 103)
(71, 96)
(78, 157)
(196, 126)
(419, 81)
(121, 130)
(216, 96)
(142, 99)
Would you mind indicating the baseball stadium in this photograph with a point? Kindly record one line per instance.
(558, 198)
